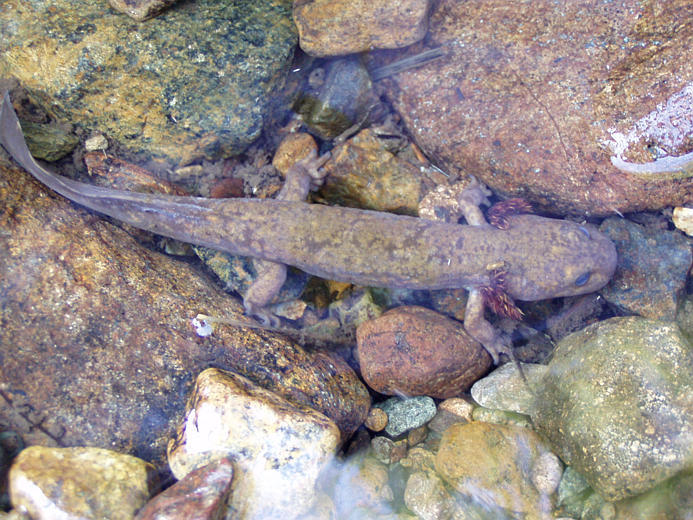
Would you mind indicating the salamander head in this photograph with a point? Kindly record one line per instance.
(553, 258)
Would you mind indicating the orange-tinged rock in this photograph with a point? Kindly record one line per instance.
(552, 101)
(338, 27)
(73, 483)
(416, 351)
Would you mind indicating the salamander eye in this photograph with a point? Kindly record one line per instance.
(584, 230)
(582, 279)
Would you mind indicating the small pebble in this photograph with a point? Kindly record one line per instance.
(388, 451)
(417, 435)
(546, 473)
(451, 411)
(376, 420)
(683, 220)
(96, 143)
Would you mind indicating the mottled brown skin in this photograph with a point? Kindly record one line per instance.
(540, 257)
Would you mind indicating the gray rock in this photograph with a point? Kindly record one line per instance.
(195, 82)
(652, 268)
(504, 388)
(406, 414)
(617, 404)
(342, 100)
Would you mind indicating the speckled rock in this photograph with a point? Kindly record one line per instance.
(336, 27)
(494, 465)
(539, 99)
(195, 83)
(406, 414)
(364, 174)
(416, 351)
(504, 388)
(75, 483)
(98, 348)
(200, 495)
(617, 404)
(653, 265)
(141, 9)
(279, 449)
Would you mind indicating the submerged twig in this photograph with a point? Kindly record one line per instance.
(406, 63)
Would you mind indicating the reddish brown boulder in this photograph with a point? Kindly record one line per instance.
(416, 351)
(547, 100)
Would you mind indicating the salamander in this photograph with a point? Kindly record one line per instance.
(528, 258)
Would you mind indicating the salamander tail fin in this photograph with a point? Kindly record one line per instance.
(11, 136)
(12, 139)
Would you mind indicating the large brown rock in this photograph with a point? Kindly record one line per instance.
(537, 98)
(97, 346)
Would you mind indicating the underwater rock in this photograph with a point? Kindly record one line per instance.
(79, 483)
(98, 348)
(416, 351)
(617, 404)
(653, 267)
(278, 449)
(196, 82)
(548, 101)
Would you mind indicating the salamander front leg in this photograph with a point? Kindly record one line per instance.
(495, 342)
(305, 175)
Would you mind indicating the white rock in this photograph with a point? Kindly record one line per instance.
(278, 448)
(683, 220)
(96, 143)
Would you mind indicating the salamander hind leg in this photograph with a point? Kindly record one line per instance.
(270, 278)
(303, 176)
